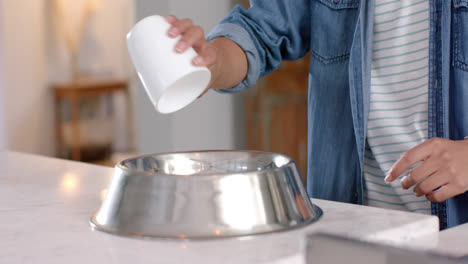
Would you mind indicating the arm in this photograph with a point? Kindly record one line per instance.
(225, 59)
(267, 33)
(231, 64)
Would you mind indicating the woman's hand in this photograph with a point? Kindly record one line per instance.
(442, 173)
(192, 36)
(224, 58)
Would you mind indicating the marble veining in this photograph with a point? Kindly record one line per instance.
(46, 204)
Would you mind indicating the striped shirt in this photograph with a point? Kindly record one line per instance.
(398, 111)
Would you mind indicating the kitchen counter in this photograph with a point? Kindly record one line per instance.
(451, 242)
(46, 203)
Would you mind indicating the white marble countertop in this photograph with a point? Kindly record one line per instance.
(451, 242)
(46, 203)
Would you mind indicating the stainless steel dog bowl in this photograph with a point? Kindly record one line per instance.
(208, 194)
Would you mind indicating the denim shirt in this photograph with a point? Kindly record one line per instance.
(338, 34)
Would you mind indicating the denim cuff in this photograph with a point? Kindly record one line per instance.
(240, 36)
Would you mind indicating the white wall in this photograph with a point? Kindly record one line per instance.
(32, 59)
(28, 103)
(212, 122)
(103, 48)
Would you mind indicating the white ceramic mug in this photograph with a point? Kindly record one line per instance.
(169, 78)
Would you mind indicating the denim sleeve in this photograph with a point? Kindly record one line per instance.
(269, 32)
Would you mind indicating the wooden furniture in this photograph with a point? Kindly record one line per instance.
(73, 92)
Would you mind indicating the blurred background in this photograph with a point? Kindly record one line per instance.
(68, 89)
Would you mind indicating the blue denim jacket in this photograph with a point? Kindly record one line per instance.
(338, 34)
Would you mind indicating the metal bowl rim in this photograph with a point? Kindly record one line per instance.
(96, 226)
(201, 175)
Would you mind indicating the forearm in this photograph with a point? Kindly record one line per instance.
(231, 64)
(225, 59)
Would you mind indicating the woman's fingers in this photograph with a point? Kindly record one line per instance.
(194, 37)
(171, 19)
